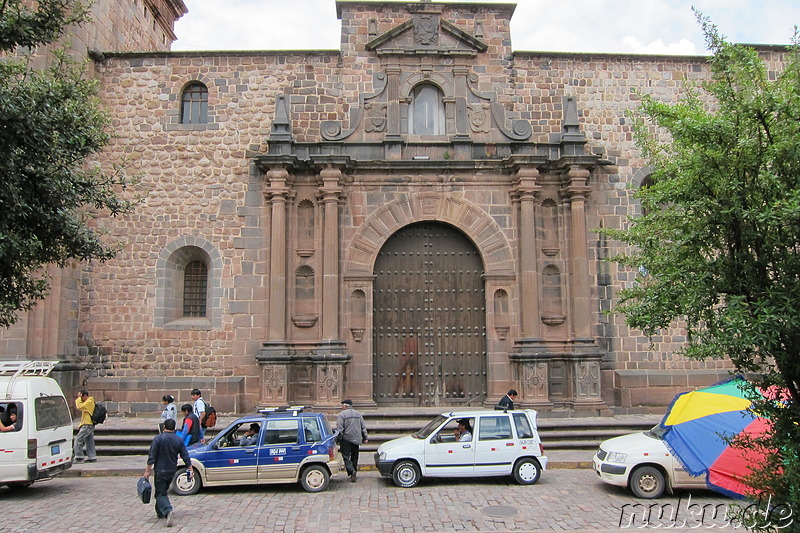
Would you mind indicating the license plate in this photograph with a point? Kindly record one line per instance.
(55, 450)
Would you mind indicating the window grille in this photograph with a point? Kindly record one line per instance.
(195, 282)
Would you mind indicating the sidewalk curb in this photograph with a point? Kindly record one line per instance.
(80, 471)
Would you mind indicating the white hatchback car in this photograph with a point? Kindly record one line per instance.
(642, 462)
(491, 443)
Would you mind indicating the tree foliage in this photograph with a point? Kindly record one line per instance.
(50, 122)
(719, 238)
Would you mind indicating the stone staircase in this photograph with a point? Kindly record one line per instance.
(132, 436)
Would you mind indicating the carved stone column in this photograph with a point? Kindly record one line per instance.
(330, 193)
(526, 191)
(393, 99)
(460, 73)
(578, 192)
(276, 191)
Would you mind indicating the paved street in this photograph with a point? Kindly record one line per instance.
(563, 500)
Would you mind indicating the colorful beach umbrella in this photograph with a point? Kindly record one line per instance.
(699, 426)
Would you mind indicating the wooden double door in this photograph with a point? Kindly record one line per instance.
(429, 319)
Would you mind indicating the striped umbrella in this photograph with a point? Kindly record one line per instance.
(700, 426)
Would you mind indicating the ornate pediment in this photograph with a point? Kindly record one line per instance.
(426, 33)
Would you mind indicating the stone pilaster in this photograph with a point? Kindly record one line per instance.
(330, 193)
(277, 191)
(578, 192)
(526, 190)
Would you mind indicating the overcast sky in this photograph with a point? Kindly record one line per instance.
(632, 26)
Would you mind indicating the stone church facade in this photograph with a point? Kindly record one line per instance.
(407, 221)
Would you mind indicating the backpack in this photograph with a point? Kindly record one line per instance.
(99, 414)
(209, 416)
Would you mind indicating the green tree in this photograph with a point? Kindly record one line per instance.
(719, 238)
(50, 122)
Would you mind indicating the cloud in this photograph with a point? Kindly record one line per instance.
(682, 47)
(616, 26)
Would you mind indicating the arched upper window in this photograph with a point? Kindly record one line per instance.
(426, 114)
(195, 289)
(194, 104)
(646, 182)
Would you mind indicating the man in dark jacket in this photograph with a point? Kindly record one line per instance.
(506, 403)
(163, 458)
(190, 431)
(352, 432)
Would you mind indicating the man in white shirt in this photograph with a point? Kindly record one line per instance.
(199, 409)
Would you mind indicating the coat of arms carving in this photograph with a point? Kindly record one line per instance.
(426, 29)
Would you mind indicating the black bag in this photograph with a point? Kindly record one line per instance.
(145, 489)
(99, 414)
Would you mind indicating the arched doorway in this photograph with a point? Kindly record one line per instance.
(429, 319)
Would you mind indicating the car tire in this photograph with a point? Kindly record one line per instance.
(527, 471)
(315, 478)
(181, 484)
(647, 482)
(406, 474)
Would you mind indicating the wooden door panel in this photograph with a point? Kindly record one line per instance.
(429, 319)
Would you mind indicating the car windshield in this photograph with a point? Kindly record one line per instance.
(432, 426)
(656, 432)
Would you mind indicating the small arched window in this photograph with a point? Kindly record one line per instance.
(195, 289)
(646, 183)
(194, 104)
(426, 114)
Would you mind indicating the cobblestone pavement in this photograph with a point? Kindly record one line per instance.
(563, 500)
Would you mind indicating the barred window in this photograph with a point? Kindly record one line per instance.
(195, 283)
(194, 104)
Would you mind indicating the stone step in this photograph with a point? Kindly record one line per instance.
(133, 436)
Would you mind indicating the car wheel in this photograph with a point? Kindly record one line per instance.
(527, 471)
(406, 474)
(647, 482)
(315, 478)
(182, 486)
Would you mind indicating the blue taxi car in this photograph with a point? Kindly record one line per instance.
(282, 445)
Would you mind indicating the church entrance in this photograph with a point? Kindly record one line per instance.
(429, 319)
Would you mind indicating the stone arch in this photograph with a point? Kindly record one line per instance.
(439, 81)
(641, 175)
(170, 258)
(462, 214)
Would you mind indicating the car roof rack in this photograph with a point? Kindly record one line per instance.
(16, 369)
(26, 368)
(293, 409)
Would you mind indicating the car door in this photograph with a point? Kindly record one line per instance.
(681, 478)
(445, 456)
(227, 462)
(281, 453)
(496, 449)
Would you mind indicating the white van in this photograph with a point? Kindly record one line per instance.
(40, 446)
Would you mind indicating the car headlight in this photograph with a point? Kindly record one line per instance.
(616, 457)
(381, 456)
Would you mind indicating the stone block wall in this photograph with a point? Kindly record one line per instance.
(198, 183)
(142, 396)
